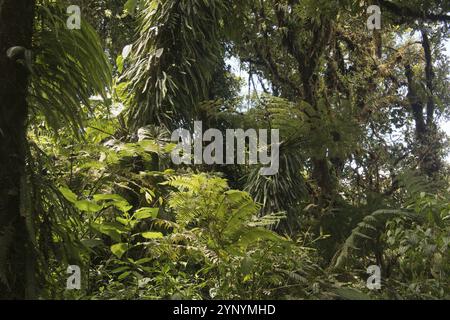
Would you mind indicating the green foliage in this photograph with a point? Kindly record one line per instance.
(173, 60)
(368, 230)
(224, 219)
(362, 178)
(70, 66)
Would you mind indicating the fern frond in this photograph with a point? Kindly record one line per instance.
(367, 231)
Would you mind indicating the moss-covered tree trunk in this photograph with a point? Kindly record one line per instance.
(16, 28)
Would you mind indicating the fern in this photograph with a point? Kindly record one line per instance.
(221, 219)
(367, 231)
(415, 184)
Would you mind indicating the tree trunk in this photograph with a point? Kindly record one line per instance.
(429, 143)
(16, 28)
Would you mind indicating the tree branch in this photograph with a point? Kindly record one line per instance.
(405, 12)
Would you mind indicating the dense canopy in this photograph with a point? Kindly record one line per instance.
(92, 93)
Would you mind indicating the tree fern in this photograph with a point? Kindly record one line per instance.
(282, 191)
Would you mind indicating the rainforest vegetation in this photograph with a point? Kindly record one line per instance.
(87, 179)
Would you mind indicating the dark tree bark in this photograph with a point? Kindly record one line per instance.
(416, 103)
(429, 76)
(16, 29)
(308, 59)
(429, 144)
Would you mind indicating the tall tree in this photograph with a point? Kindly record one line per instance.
(16, 30)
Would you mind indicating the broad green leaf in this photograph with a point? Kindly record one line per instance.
(89, 206)
(123, 206)
(111, 229)
(119, 63)
(116, 200)
(145, 213)
(120, 269)
(119, 249)
(130, 6)
(123, 221)
(68, 194)
(124, 275)
(100, 197)
(92, 243)
(152, 235)
(143, 260)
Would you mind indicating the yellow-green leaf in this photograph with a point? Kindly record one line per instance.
(152, 235)
(119, 249)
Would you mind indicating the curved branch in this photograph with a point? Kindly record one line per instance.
(405, 12)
